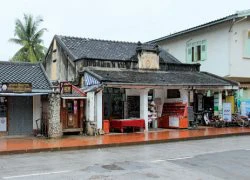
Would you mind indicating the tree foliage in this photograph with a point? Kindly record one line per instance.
(29, 37)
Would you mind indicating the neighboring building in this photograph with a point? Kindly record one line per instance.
(121, 78)
(24, 89)
(222, 47)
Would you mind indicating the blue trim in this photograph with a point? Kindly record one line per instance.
(90, 80)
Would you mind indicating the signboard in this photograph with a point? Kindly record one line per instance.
(66, 88)
(148, 60)
(216, 104)
(3, 124)
(174, 121)
(200, 102)
(245, 108)
(16, 87)
(227, 114)
(190, 113)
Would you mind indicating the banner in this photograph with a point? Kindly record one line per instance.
(227, 113)
(3, 124)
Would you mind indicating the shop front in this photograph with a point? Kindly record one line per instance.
(159, 99)
(20, 110)
(72, 108)
(23, 87)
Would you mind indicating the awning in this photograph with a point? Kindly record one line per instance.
(69, 91)
(22, 94)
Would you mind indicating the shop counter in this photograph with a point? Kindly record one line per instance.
(123, 123)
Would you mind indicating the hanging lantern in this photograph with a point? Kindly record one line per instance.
(208, 93)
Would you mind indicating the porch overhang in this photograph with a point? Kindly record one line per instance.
(23, 94)
(161, 79)
(168, 86)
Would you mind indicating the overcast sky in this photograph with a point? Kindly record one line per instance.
(125, 20)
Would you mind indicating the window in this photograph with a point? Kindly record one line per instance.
(173, 93)
(246, 44)
(196, 51)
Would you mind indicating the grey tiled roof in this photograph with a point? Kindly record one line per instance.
(84, 48)
(160, 77)
(14, 72)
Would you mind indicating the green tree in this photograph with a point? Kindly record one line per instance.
(29, 37)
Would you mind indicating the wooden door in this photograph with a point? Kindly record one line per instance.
(72, 114)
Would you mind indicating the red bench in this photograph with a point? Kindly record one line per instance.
(123, 123)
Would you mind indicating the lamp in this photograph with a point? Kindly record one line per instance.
(226, 93)
(208, 93)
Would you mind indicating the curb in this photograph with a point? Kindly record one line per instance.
(98, 146)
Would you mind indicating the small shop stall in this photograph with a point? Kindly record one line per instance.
(117, 106)
(126, 96)
(22, 86)
(72, 108)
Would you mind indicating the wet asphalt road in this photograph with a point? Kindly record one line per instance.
(221, 158)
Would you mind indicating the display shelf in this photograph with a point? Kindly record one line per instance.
(174, 115)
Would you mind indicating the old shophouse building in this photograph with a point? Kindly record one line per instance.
(122, 79)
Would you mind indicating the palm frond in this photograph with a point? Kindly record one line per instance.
(30, 38)
(17, 41)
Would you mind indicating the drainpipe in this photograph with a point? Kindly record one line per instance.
(235, 22)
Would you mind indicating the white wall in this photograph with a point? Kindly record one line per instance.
(217, 48)
(240, 66)
(37, 111)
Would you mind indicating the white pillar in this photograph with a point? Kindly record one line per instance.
(220, 106)
(99, 109)
(144, 106)
(90, 106)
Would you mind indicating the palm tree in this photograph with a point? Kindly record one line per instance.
(29, 37)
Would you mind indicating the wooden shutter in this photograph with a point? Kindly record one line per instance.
(189, 54)
(203, 50)
(195, 53)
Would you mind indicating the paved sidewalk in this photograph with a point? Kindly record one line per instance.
(10, 145)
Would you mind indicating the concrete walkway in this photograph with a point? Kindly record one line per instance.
(10, 145)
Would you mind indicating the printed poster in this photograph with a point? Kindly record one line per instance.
(3, 124)
(227, 112)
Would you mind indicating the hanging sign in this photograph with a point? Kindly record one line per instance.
(67, 89)
(227, 114)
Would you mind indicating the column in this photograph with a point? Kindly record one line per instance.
(220, 105)
(99, 109)
(90, 114)
(54, 124)
(144, 106)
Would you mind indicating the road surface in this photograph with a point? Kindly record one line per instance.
(220, 158)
